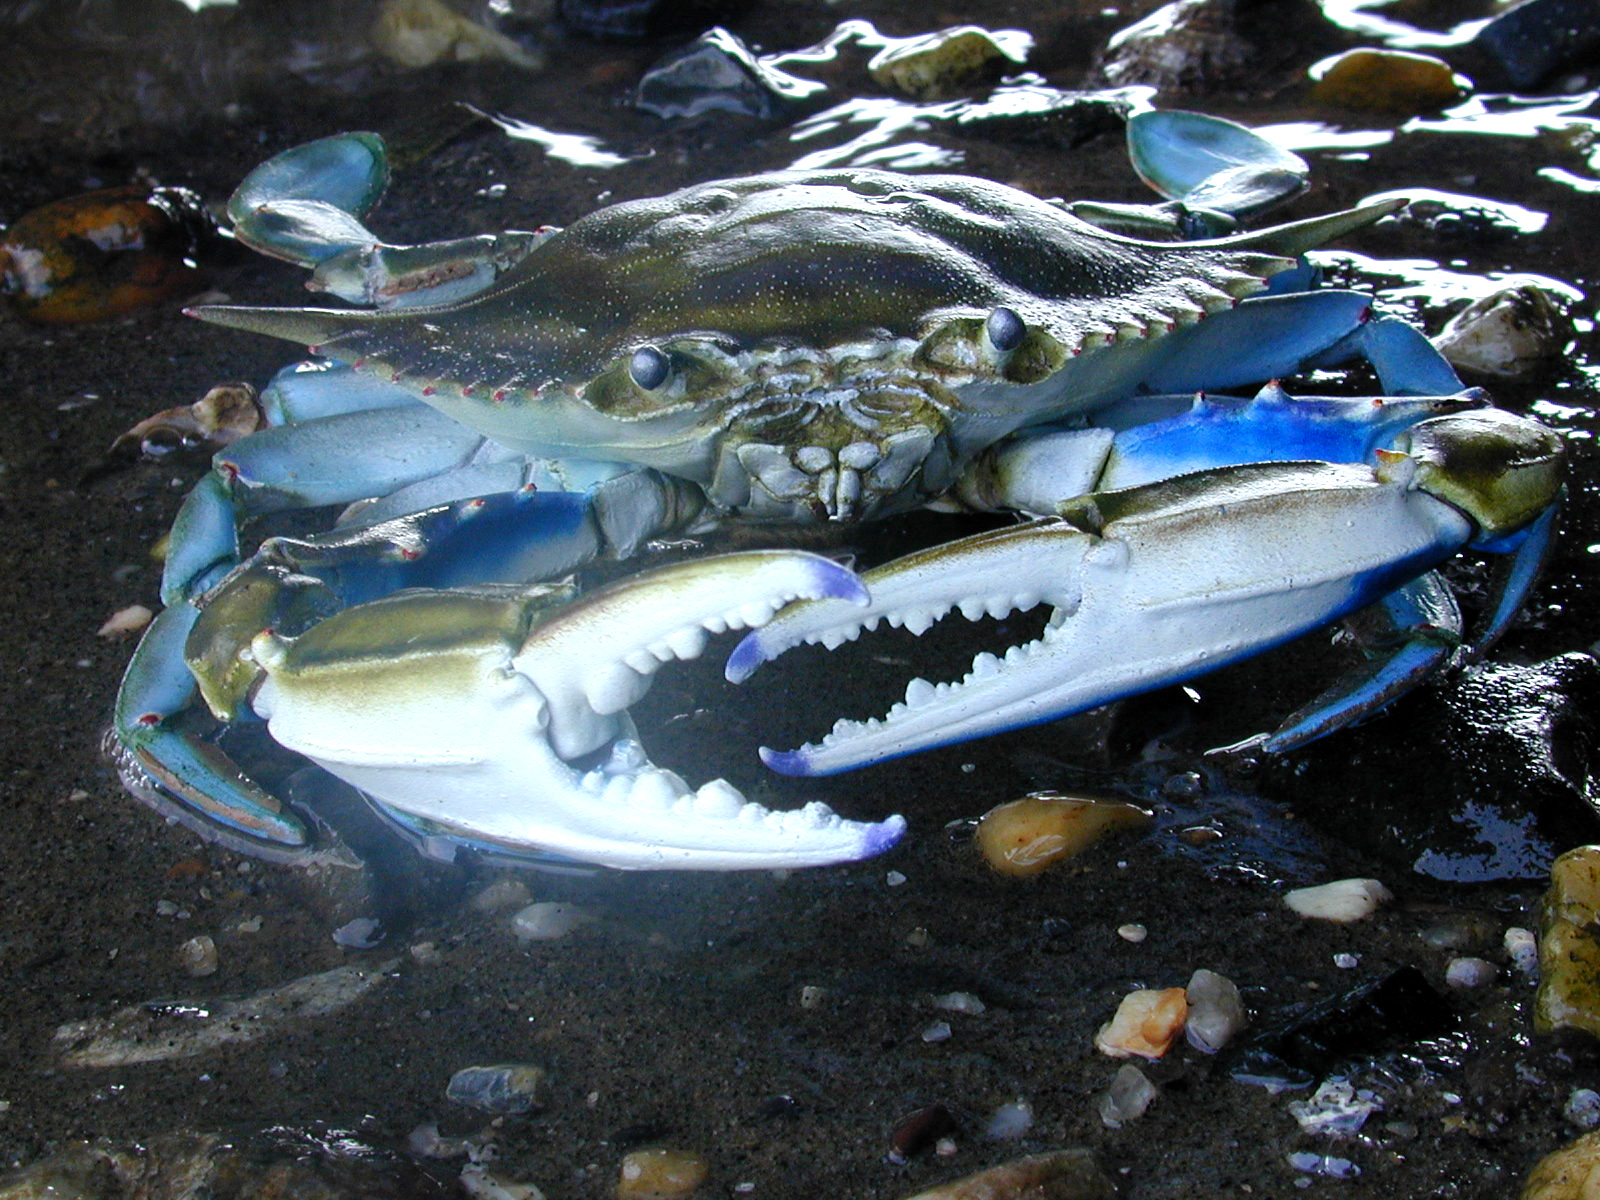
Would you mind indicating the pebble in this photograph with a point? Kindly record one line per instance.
(1583, 1108)
(425, 1141)
(1571, 1173)
(1332, 1165)
(1131, 1093)
(548, 921)
(961, 1002)
(1569, 950)
(125, 622)
(1469, 972)
(198, 956)
(420, 33)
(1523, 948)
(1336, 1107)
(1343, 900)
(943, 65)
(506, 1089)
(894, 879)
(919, 938)
(1386, 81)
(477, 1183)
(1009, 1121)
(362, 933)
(660, 1173)
(1347, 962)
(939, 1031)
(1061, 1175)
(1024, 837)
(1513, 332)
(502, 893)
(812, 996)
(1146, 1023)
(1132, 932)
(1216, 1013)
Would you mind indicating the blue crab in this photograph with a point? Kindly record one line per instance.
(786, 348)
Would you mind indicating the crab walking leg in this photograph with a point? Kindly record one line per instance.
(467, 708)
(1157, 584)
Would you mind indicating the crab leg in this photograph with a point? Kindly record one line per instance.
(471, 709)
(1157, 584)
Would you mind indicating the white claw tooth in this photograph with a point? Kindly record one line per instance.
(619, 789)
(818, 815)
(1024, 601)
(872, 624)
(985, 665)
(972, 608)
(718, 800)
(654, 790)
(919, 691)
(687, 643)
(642, 661)
(752, 813)
(716, 625)
(920, 620)
(593, 782)
(757, 613)
(834, 638)
(997, 607)
(1014, 654)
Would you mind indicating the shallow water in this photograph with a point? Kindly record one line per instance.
(676, 1016)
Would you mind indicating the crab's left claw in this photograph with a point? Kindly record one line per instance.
(1160, 583)
(498, 716)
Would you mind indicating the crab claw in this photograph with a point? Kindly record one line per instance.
(499, 717)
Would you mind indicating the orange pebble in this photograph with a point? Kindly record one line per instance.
(1023, 837)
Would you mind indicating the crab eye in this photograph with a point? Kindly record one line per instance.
(1005, 329)
(649, 368)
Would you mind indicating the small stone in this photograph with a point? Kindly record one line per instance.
(1513, 332)
(1571, 1173)
(548, 921)
(1343, 900)
(939, 1031)
(1347, 962)
(1009, 1121)
(425, 1142)
(1386, 81)
(812, 996)
(425, 953)
(1061, 1175)
(248, 924)
(1470, 972)
(919, 938)
(1332, 1165)
(166, 908)
(198, 956)
(1129, 1096)
(361, 933)
(502, 893)
(1569, 950)
(1336, 1107)
(420, 33)
(1583, 1108)
(961, 1002)
(478, 1184)
(1216, 1013)
(1523, 949)
(1024, 837)
(1146, 1023)
(660, 1173)
(505, 1089)
(894, 879)
(943, 65)
(1132, 932)
(125, 622)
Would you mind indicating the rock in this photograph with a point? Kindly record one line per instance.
(960, 1002)
(548, 921)
(478, 1184)
(1009, 1121)
(1582, 1108)
(1571, 1173)
(1523, 948)
(1216, 1012)
(507, 1089)
(1146, 1024)
(1131, 1093)
(1032, 114)
(1062, 1175)
(1132, 932)
(718, 72)
(1343, 900)
(1527, 44)
(943, 65)
(421, 33)
(660, 1173)
(1468, 972)
(1394, 81)
(316, 1163)
(502, 893)
(1336, 1107)
(1024, 837)
(1513, 332)
(198, 956)
(125, 622)
(1569, 949)
(160, 1030)
(359, 933)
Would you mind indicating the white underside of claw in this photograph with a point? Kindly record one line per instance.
(477, 737)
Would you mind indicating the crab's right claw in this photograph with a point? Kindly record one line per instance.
(500, 718)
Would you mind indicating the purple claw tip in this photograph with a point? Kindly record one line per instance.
(746, 657)
(884, 835)
(785, 762)
(835, 581)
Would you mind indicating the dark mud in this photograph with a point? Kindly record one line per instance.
(676, 1018)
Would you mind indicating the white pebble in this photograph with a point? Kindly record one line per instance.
(548, 921)
(1342, 900)
(198, 956)
(477, 1183)
(502, 893)
(1523, 949)
(1347, 962)
(812, 996)
(1583, 1108)
(939, 1031)
(1132, 932)
(1470, 972)
(125, 622)
(1215, 1011)
(894, 878)
(1129, 1095)
(961, 1002)
(1009, 1121)
(1335, 1108)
